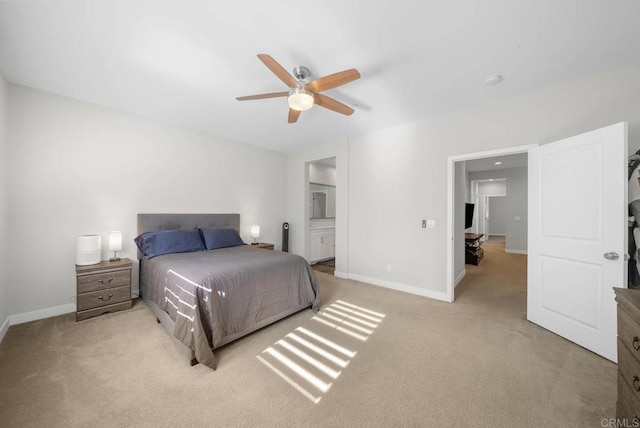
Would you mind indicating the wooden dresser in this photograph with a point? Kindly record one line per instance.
(103, 287)
(628, 405)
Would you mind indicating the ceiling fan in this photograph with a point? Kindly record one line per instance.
(302, 95)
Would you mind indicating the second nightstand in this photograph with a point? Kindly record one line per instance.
(103, 287)
(264, 245)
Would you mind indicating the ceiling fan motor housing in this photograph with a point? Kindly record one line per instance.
(301, 72)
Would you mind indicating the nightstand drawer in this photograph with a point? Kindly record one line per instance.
(101, 281)
(103, 297)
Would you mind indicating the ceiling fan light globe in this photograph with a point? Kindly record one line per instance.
(300, 99)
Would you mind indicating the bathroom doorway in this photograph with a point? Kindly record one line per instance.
(321, 211)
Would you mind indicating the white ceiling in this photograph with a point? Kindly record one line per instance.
(489, 164)
(185, 62)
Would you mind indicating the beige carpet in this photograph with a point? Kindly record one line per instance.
(424, 363)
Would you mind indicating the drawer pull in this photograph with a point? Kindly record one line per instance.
(636, 383)
(111, 295)
(636, 343)
(105, 282)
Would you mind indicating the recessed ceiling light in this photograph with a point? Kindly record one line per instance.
(493, 79)
(497, 163)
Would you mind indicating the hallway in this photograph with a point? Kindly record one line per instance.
(500, 278)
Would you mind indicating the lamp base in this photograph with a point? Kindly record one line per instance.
(255, 243)
(114, 259)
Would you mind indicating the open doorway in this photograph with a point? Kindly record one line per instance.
(488, 196)
(321, 214)
(565, 250)
(466, 175)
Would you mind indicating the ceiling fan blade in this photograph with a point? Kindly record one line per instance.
(331, 104)
(278, 70)
(263, 96)
(293, 115)
(333, 80)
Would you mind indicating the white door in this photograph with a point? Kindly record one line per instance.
(577, 227)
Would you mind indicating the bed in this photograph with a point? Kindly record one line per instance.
(206, 299)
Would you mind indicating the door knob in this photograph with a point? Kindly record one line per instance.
(611, 255)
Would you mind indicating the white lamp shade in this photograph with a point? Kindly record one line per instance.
(255, 231)
(115, 241)
(300, 99)
(88, 250)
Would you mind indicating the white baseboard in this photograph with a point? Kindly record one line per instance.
(438, 295)
(342, 275)
(4, 328)
(42, 313)
(507, 250)
(459, 278)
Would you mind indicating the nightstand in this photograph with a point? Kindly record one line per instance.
(264, 245)
(103, 287)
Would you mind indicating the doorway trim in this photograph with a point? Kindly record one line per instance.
(451, 161)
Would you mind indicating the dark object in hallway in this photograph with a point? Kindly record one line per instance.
(473, 252)
(468, 215)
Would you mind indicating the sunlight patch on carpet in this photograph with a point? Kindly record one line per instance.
(312, 357)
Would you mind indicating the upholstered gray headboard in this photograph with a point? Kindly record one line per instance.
(155, 222)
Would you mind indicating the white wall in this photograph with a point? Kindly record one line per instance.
(398, 176)
(486, 188)
(78, 168)
(516, 205)
(4, 301)
(498, 215)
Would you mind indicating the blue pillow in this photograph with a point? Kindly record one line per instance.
(221, 238)
(153, 244)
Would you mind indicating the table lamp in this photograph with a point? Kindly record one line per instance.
(115, 244)
(255, 233)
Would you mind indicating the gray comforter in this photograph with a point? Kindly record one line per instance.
(220, 295)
